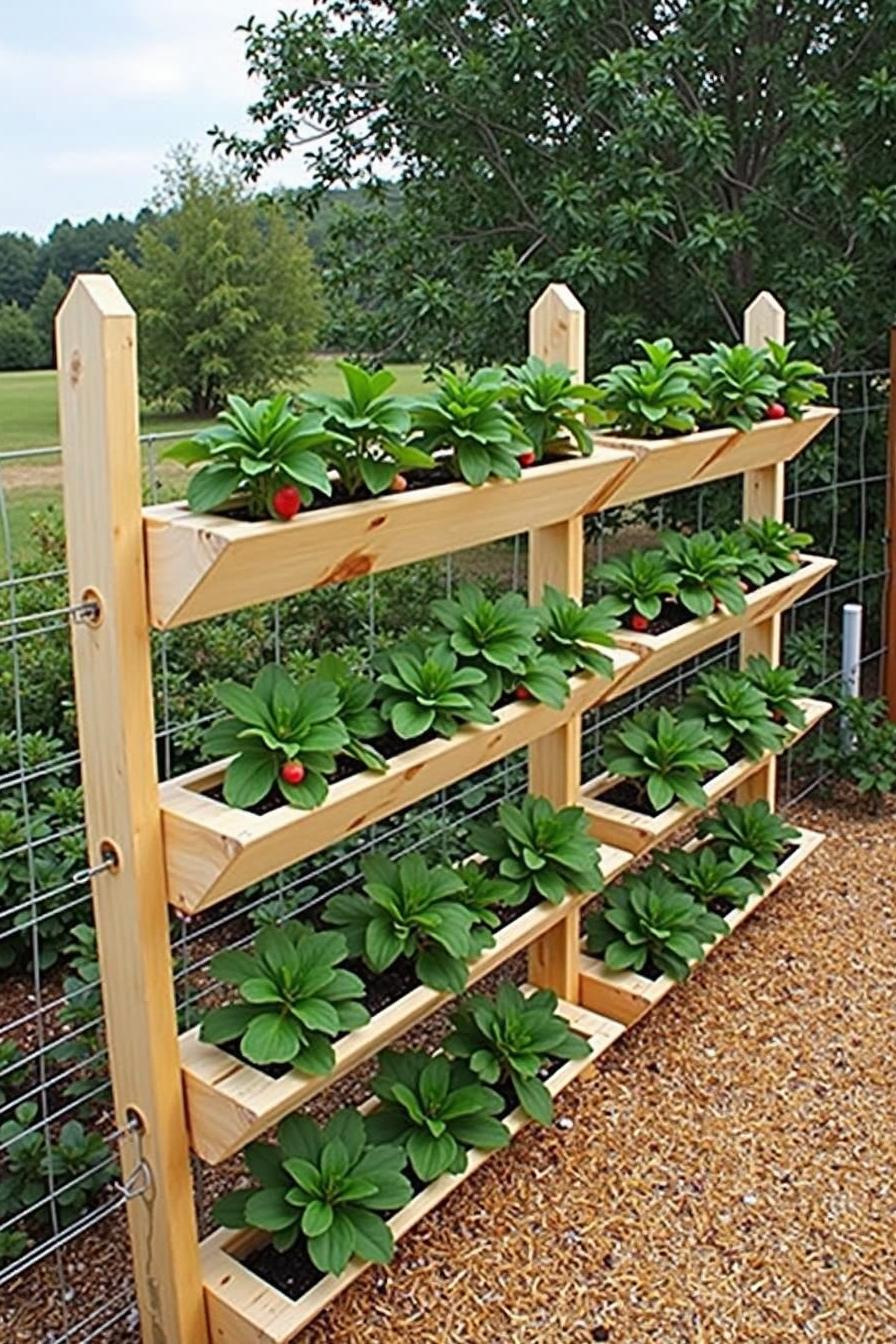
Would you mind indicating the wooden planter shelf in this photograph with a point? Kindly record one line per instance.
(638, 831)
(229, 1102)
(661, 652)
(213, 850)
(666, 465)
(203, 564)
(626, 996)
(243, 1309)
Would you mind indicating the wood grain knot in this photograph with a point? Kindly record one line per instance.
(75, 368)
(354, 566)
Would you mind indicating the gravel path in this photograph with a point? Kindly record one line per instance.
(726, 1176)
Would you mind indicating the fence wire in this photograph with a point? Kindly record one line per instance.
(64, 1266)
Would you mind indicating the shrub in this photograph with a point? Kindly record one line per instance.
(296, 998)
(409, 910)
(327, 1185)
(435, 1109)
(651, 396)
(510, 1039)
(667, 757)
(255, 451)
(868, 760)
(540, 851)
(466, 417)
(646, 918)
(278, 723)
(550, 407)
(369, 430)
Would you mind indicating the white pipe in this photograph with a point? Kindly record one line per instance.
(851, 662)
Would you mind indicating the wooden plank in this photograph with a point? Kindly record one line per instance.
(639, 831)
(764, 320)
(673, 647)
(203, 564)
(243, 1309)
(213, 850)
(230, 1103)
(556, 557)
(98, 406)
(709, 455)
(625, 996)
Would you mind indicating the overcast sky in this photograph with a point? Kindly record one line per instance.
(93, 94)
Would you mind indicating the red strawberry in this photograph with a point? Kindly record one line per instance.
(638, 622)
(522, 693)
(776, 411)
(293, 772)
(526, 459)
(287, 501)
(399, 483)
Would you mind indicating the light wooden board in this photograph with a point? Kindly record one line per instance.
(243, 1309)
(665, 465)
(213, 850)
(625, 996)
(96, 333)
(203, 564)
(638, 831)
(230, 1102)
(672, 647)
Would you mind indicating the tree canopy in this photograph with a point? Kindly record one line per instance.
(666, 158)
(225, 290)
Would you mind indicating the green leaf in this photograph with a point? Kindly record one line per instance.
(534, 1098)
(270, 1039)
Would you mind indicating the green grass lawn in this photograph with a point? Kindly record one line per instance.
(28, 419)
(28, 404)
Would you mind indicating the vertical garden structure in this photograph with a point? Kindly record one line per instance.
(177, 845)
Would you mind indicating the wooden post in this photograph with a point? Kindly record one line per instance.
(557, 335)
(98, 404)
(763, 497)
(889, 670)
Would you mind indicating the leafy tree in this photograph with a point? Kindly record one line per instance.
(225, 290)
(73, 248)
(19, 255)
(42, 313)
(552, 140)
(19, 345)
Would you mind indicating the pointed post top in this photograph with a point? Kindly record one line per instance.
(764, 319)
(98, 293)
(557, 329)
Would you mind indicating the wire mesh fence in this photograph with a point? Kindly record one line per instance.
(63, 1247)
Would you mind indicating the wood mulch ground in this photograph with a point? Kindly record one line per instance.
(726, 1175)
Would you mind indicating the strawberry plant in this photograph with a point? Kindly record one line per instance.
(257, 451)
(283, 733)
(424, 690)
(737, 385)
(551, 408)
(492, 635)
(780, 688)
(544, 853)
(652, 396)
(706, 573)
(355, 710)
(574, 635)
(645, 919)
(778, 543)
(81, 1165)
(797, 378)
(411, 910)
(637, 583)
(511, 1039)
(735, 713)
(370, 428)
(665, 756)
(296, 997)
(327, 1186)
(466, 418)
(751, 835)
(708, 875)
(483, 895)
(436, 1109)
